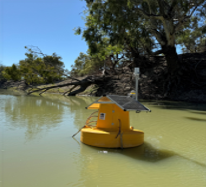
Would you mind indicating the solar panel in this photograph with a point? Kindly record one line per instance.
(127, 103)
(124, 102)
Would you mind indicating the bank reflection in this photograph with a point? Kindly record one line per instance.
(79, 111)
(76, 106)
(36, 114)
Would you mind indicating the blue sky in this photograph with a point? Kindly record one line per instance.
(47, 24)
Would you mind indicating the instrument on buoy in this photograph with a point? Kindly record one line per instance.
(112, 129)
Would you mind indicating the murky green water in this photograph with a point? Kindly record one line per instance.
(37, 148)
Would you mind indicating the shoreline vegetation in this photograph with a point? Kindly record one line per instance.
(151, 83)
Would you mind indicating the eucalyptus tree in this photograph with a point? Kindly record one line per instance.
(83, 65)
(193, 38)
(137, 23)
(48, 60)
(107, 57)
(36, 69)
(111, 19)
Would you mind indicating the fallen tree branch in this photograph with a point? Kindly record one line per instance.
(43, 91)
(84, 83)
(50, 87)
(81, 89)
(70, 89)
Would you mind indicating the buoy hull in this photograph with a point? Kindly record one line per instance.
(101, 138)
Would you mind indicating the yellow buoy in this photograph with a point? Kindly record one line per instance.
(112, 128)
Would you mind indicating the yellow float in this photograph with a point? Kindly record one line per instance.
(112, 128)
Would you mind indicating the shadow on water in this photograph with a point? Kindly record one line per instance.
(145, 152)
(196, 119)
(171, 105)
(203, 113)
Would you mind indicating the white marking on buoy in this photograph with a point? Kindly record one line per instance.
(102, 116)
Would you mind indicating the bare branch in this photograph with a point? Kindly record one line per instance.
(158, 36)
(55, 86)
(69, 77)
(70, 89)
(192, 12)
(159, 17)
(43, 91)
(84, 83)
(184, 18)
(156, 52)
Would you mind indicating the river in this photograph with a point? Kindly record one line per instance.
(37, 148)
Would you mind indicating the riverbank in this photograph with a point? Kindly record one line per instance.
(115, 87)
(13, 85)
(189, 86)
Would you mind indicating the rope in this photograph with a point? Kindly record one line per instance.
(77, 132)
(119, 133)
(85, 123)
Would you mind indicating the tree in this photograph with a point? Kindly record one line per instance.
(36, 69)
(86, 65)
(12, 72)
(2, 67)
(107, 57)
(130, 21)
(111, 20)
(83, 84)
(193, 38)
(51, 66)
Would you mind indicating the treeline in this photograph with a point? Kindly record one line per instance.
(120, 34)
(2, 67)
(36, 68)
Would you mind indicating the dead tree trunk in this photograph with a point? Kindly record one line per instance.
(172, 59)
(84, 83)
